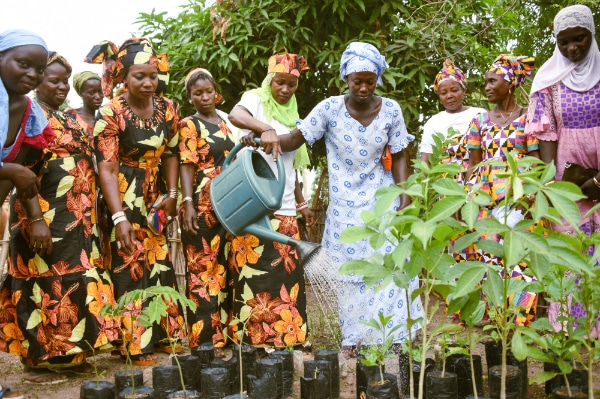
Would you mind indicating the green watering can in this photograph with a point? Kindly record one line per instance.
(247, 192)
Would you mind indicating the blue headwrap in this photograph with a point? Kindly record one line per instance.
(37, 120)
(362, 57)
(19, 37)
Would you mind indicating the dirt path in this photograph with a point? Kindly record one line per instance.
(12, 369)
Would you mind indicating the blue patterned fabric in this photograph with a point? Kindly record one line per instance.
(362, 57)
(355, 173)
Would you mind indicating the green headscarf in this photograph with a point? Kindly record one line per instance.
(286, 114)
(81, 77)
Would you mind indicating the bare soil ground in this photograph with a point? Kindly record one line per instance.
(11, 368)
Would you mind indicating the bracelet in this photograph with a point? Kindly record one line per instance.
(301, 206)
(596, 182)
(119, 220)
(36, 220)
(187, 199)
(173, 193)
(264, 131)
(117, 215)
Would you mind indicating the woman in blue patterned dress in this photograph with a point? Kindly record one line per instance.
(357, 126)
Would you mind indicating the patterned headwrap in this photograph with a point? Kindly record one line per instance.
(513, 69)
(362, 57)
(134, 51)
(287, 114)
(197, 71)
(450, 72)
(81, 77)
(36, 121)
(287, 63)
(19, 37)
(53, 57)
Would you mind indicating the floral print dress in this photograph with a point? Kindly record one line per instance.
(54, 316)
(137, 145)
(206, 146)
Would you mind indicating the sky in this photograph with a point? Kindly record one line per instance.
(72, 27)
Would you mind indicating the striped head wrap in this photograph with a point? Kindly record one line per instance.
(513, 69)
(115, 61)
(450, 72)
(362, 57)
(54, 57)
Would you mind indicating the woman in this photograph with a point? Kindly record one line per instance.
(356, 127)
(88, 86)
(451, 86)
(136, 140)
(205, 139)
(58, 287)
(564, 111)
(23, 56)
(267, 269)
(491, 136)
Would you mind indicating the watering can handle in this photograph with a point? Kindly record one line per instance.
(239, 146)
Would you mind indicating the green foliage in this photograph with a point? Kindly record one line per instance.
(414, 35)
(375, 354)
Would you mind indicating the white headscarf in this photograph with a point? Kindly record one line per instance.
(581, 76)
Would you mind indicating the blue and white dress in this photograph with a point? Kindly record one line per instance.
(355, 173)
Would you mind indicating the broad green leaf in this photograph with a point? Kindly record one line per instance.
(469, 213)
(514, 248)
(444, 208)
(469, 281)
(423, 231)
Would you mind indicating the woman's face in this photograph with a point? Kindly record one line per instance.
(361, 85)
(203, 96)
(55, 86)
(22, 68)
(496, 88)
(283, 87)
(574, 43)
(91, 94)
(141, 81)
(451, 95)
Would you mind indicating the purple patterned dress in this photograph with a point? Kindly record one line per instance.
(571, 118)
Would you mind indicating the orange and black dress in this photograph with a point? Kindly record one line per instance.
(57, 297)
(137, 144)
(206, 146)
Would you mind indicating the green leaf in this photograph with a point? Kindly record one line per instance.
(444, 208)
(469, 281)
(423, 231)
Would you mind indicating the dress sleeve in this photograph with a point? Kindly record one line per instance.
(172, 116)
(427, 137)
(106, 134)
(474, 133)
(541, 121)
(314, 126)
(398, 137)
(189, 141)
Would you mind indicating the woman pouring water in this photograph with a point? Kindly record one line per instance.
(357, 127)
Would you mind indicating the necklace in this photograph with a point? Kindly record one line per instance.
(507, 117)
(217, 122)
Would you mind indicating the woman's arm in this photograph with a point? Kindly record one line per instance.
(108, 172)
(170, 167)
(475, 157)
(400, 174)
(301, 205)
(190, 221)
(40, 238)
(271, 143)
(548, 151)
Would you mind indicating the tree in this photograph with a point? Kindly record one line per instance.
(234, 38)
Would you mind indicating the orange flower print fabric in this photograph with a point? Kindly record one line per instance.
(205, 145)
(50, 304)
(267, 288)
(137, 145)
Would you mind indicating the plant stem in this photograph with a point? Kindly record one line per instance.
(469, 331)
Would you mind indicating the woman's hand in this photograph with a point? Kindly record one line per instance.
(25, 181)
(125, 237)
(590, 190)
(404, 202)
(40, 238)
(308, 215)
(269, 142)
(190, 218)
(169, 205)
(248, 140)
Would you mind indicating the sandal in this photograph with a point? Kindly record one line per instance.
(13, 395)
(43, 377)
(167, 349)
(142, 360)
(81, 369)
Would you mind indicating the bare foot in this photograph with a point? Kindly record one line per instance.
(6, 393)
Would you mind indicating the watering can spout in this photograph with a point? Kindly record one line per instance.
(305, 250)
